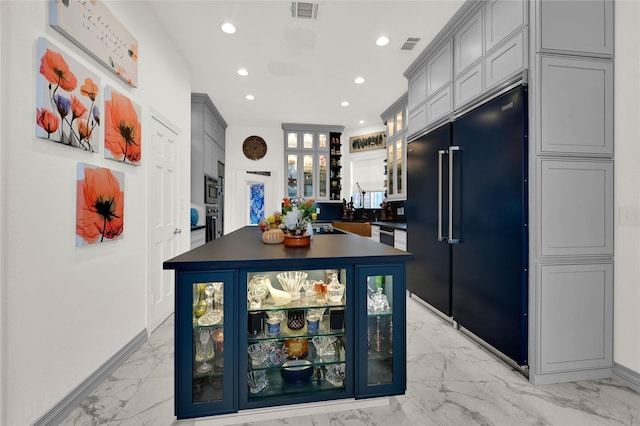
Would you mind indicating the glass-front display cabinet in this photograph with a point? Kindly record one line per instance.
(312, 161)
(394, 117)
(381, 358)
(205, 334)
(297, 346)
(261, 325)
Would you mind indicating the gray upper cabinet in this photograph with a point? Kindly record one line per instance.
(418, 88)
(576, 26)
(508, 59)
(502, 18)
(576, 107)
(439, 70)
(468, 42)
(207, 143)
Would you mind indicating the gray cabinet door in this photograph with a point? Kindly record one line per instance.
(575, 317)
(576, 105)
(469, 85)
(575, 202)
(507, 60)
(439, 69)
(579, 26)
(417, 88)
(439, 105)
(468, 43)
(502, 17)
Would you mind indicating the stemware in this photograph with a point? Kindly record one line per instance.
(206, 349)
(334, 374)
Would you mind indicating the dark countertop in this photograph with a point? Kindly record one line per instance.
(245, 246)
(395, 225)
(196, 227)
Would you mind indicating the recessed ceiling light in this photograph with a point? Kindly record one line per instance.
(359, 80)
(242, 72)
(382, 41)
(228, 28)
(250, 97)
(344, 103)
(361, 122)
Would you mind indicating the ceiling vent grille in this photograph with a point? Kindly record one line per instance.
(304, 10)
(410, 43)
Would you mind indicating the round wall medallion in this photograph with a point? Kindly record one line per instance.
(254, 147)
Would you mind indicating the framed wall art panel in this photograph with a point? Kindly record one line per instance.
(67, 99)
(93, 28)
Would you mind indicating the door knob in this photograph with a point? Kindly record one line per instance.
(177, 231)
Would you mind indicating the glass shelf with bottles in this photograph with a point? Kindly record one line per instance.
(208, 341)
(296, 332)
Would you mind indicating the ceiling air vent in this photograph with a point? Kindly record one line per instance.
(304, 10)
(410, 43)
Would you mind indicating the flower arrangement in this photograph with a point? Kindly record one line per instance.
(294, 219)
(297, 215)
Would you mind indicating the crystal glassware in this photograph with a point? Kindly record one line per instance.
(207, 349)
(309, 287)
(255, 296)
(257, 380)
(211, 316)
(324, 345)
(335, 291)
(258, 353)
(291, 282)
(334, 374)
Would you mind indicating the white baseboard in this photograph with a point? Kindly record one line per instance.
(626, 376)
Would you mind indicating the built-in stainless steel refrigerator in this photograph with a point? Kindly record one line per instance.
(467, 219)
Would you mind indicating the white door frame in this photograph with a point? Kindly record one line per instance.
(154, 115)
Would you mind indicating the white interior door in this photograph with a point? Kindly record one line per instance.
(163, 219)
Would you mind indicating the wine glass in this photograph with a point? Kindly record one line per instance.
(204, 341)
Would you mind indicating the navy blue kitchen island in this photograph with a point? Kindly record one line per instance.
(244, 340)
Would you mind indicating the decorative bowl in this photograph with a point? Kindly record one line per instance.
(297, 370)
(291, 282)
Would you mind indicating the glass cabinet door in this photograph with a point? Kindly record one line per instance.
(205, 343)
(323, 176)
(296, 346)
(292, 175)
(381, 351)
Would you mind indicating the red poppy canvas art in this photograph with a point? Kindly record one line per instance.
(67, 98)
(99, 205)
(122, 129)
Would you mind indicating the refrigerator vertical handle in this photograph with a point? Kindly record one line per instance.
(441, 153)
(452, 149)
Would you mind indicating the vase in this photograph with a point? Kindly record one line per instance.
(297, 240)
(272, 236)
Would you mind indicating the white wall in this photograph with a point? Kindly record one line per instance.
(627, 185)
(236, 166)
(66, 310)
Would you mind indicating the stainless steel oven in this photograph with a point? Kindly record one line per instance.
(212, 223)
(211, 190)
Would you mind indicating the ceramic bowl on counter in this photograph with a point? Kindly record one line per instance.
(297, 370)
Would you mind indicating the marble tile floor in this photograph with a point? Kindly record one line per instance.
(451, 381)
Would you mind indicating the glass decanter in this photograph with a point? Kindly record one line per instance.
(211, 316)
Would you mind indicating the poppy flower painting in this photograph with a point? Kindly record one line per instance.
(67, 99)
(99, 205)
(122, 138)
